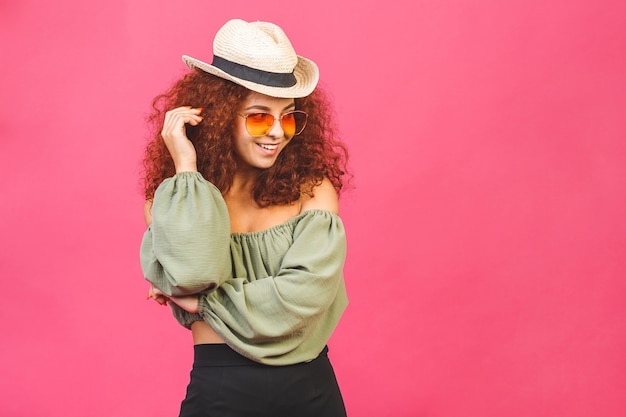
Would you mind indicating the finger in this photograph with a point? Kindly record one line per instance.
(184, 112)
(162, 300)
(157, 292)
(174, 125)
(174, 121)
(194, 121)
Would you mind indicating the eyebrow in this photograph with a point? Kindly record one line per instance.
(267, 109)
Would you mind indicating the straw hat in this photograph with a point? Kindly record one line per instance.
(259, 56)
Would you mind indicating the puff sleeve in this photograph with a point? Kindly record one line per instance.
(186, 249)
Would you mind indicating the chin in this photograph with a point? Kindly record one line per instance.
(264, 163)
(265, 166)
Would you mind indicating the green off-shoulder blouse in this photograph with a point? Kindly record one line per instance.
(275, 296)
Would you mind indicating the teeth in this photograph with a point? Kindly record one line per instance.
(268, 147)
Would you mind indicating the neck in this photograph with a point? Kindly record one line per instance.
(243, 181)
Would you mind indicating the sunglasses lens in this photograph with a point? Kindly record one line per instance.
(259, 124)
(293, 123)
(288, 123)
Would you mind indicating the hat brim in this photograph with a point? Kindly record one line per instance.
(306, 73)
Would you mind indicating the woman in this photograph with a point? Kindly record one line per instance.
(244, 239)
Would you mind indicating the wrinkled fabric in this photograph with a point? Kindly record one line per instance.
(186, 249)
(284, 292)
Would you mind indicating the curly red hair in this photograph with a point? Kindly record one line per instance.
(310, 157)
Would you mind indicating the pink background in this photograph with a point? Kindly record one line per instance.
(487, 226)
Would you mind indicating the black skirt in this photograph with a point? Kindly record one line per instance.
(224, 383)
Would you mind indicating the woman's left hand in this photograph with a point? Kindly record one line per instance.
(157, 295)
(188, 303)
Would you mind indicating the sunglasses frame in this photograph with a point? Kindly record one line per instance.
(280, 119)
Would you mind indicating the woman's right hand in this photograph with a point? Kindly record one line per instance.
(180, 147)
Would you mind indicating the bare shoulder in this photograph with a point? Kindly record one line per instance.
(324, 198)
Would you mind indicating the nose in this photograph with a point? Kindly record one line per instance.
(277, 130)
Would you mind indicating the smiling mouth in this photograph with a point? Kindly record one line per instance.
(268, 147)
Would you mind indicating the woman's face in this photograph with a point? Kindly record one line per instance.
(261, 152)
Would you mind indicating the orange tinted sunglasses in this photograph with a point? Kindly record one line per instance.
(260, 124)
